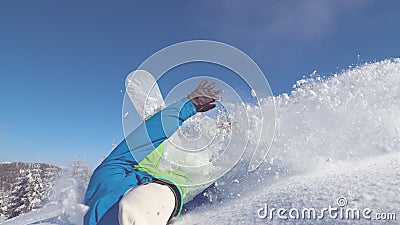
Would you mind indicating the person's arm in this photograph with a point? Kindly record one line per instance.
(155, 130)
(152, 132)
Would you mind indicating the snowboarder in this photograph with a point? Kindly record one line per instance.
(127, 187)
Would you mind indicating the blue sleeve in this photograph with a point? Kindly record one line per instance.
(152, 132)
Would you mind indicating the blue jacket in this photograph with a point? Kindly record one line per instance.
(115, 175)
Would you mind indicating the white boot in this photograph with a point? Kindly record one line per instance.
(148, 204)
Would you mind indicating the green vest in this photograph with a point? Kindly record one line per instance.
(151, 165)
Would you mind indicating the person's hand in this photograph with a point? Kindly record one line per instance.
(203, 97)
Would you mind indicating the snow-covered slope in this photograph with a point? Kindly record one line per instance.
(372, 183)
(63, 208)
(335, 138)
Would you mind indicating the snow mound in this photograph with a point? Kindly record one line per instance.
(349, 116)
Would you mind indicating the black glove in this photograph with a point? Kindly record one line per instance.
(202, 96)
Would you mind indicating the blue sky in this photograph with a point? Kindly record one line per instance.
(63, 63)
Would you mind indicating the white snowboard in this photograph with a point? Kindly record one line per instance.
(143, 91)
